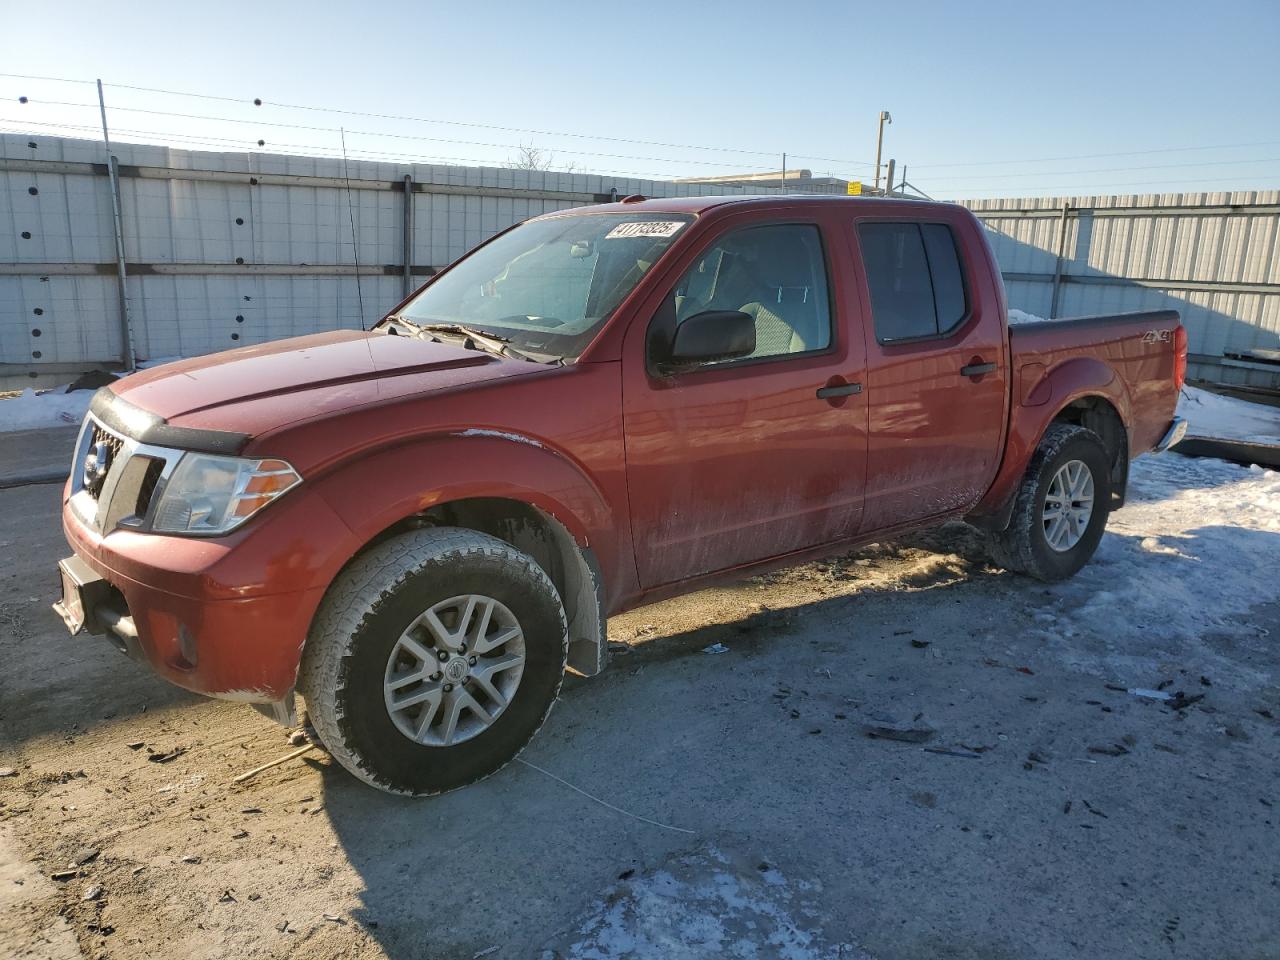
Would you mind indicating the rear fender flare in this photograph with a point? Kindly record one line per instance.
(1037, 405)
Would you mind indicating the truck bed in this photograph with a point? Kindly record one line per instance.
(1138, 347)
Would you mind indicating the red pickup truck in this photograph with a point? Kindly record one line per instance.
(422, 526)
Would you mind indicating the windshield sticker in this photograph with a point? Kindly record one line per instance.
(644, 228)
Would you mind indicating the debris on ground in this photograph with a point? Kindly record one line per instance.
(274, 763)
(173, 754)
(953, 752)
(334, 918)
(190, 858)
(487, 951)
(227, 897)
(84, 855)
(8, 772)
(902, 732)
(1115, 750)
(92, 893)
(1150, 694)
(135, 745)
(716, 648)
(1094, 810)
(297, 738)
(1180, 701)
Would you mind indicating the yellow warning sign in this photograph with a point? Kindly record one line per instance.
(855, 188)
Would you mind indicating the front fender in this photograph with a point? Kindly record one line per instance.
(1041, 394)
(386, 486)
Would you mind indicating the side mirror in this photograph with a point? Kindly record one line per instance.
(713, 335)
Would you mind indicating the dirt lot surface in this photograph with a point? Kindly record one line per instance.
(1021, 803)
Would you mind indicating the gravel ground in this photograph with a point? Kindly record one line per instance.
(746, 811)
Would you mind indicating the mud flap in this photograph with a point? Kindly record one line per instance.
(283, 711)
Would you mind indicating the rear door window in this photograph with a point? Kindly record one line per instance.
(915, 279)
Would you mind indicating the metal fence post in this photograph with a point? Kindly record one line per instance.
(1057, 267)
(406, 282)
(127, 355)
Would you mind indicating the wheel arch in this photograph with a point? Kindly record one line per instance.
(1084, 391)
(517, 489)
(572, 567)
(1097, 413)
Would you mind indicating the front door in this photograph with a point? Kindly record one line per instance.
(737, 461)
(937, 375)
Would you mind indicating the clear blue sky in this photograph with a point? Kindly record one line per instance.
(975, 89)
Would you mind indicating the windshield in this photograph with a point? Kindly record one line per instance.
(548, 285)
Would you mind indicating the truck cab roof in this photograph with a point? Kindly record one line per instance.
(699, 205)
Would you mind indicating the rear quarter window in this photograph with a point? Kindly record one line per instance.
(915, 279)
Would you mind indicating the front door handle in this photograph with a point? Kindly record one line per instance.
(839, 390)
(977, 369)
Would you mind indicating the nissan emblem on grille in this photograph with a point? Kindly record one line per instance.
(96, 465)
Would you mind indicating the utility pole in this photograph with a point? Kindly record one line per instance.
(884, 116)
(888, 180)
(784, 173)
(127, 355)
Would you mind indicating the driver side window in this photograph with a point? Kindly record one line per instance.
(775, 274)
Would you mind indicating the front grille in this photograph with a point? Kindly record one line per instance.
(114, 479)
(147, 488)
(115, 449)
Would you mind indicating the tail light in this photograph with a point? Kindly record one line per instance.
(1179, 356)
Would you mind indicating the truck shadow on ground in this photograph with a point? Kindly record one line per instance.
(758, 751)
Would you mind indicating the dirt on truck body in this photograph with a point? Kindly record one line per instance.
(420, 528)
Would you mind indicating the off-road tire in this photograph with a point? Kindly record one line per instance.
(1022, 547)
(359, 622)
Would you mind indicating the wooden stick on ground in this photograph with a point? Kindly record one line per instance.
(275, 763)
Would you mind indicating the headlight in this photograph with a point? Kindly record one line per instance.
(209, 494)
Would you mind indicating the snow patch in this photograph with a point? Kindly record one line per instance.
(1212, 415)
(55, 407)
(1021, 316)
(1183, 562)
(32, 410)
(703, 905)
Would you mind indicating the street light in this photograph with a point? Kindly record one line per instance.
(884, 118)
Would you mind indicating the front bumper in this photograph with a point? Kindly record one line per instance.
(1177, 430)
(225, 617)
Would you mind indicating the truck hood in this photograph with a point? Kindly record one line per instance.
(256, 389)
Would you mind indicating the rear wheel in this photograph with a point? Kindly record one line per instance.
(1061, 507)
(434, 660)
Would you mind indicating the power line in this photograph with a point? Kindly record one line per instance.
(258, 102)
(1135, 183)
(227, 144)
(1072, 173)
(1095, 156)
(393, 136)
(23, 76)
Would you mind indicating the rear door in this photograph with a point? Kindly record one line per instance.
(937, 369)
(733, 462)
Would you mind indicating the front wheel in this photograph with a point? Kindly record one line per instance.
(1061, 507)
(434, 659)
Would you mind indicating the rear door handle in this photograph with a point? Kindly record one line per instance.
(977, 369)
(840, 390)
